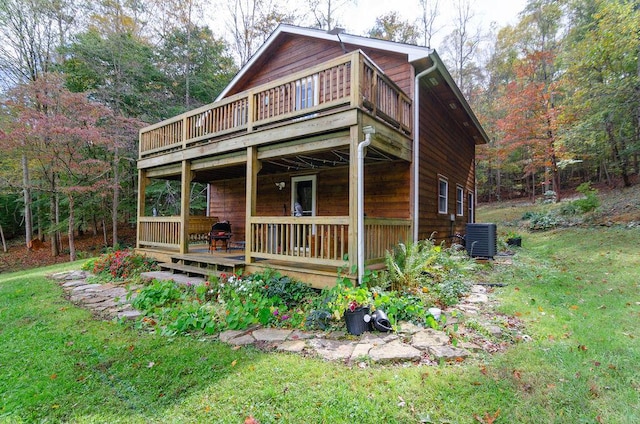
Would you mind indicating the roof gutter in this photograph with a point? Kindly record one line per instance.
(416, 146)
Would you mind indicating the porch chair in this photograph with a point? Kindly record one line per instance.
(219, 231)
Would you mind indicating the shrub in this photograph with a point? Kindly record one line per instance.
(590, 201)
(119, 265)
(539, 221)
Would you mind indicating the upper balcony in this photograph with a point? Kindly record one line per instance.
(350, 81)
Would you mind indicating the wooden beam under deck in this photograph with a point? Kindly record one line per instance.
(300, 129)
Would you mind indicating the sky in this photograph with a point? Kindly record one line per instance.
(502, 12)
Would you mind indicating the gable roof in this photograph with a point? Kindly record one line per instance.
(421, 58)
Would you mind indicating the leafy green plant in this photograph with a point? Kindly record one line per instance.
(349, 297)
(590, 201)
(156, 295)
(408, 264)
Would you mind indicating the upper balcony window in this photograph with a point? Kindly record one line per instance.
(306, 92)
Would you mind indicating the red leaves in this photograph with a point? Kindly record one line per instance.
(251, 420)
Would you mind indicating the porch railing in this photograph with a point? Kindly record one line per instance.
(303, 94)
(320, 240)
(164, 231)
(159, 231)
(323, 240)
(383, 234)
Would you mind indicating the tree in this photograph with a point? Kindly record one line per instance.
(209, 70)
(391, 27)
(252, 21)
(429, 14)
(324, 12)
(30, 33)
(603, 84)
(461, 45)
(62, 132)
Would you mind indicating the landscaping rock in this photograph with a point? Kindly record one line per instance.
(396, 351)
(225, 336)
(332, 350)
(271, 334)
(494, 330)
(477, 298)
(408, 344)
(448, 353)
(74, 283)
(243, 340)
(293, 346)
(302, 335)
(405, 327)
(361, 350)
(429, 337)
(129, 315)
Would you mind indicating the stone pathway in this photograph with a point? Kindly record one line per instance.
(409, 344)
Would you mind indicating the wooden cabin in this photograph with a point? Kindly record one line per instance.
(372, 139)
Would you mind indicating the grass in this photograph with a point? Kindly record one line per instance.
(576, 290)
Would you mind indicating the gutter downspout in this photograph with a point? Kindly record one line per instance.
(368, 130)
(416, 146)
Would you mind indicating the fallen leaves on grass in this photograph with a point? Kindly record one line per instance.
(487, 419)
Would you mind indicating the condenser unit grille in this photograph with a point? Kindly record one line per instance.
(480, 240)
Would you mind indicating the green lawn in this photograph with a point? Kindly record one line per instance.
(577, 291)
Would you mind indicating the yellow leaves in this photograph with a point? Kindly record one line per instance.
(233, 364)
(574, 307)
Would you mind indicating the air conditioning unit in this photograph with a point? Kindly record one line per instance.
(480, 240)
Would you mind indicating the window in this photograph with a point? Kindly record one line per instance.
(306, 92)
(459, 201)
(470, 206)
(443, 200)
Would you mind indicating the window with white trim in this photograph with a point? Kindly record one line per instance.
(443, 198)
(306, 92)
(470, 208)
(459, 201)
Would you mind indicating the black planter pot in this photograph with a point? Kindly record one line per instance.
(515, 241)
(356, 324)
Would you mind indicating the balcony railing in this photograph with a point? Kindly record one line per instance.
(321, 88)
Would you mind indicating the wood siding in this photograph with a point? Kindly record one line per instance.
(444, 151)
(300, 53)
(386, 195)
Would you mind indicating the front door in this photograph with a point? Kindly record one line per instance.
(303, 192)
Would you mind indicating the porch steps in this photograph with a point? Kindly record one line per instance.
(188, 270)
(166, 276)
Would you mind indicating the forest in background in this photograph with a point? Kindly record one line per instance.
(558, 93)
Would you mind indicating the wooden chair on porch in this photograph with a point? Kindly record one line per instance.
(220, 231)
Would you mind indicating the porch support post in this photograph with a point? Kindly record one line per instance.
(142, 187)
(353, 195)
(185, 193)
(253, 167)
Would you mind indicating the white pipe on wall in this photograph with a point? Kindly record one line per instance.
(368, 130)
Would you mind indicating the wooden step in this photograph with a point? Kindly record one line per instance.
(187, 269)
(169, 276)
